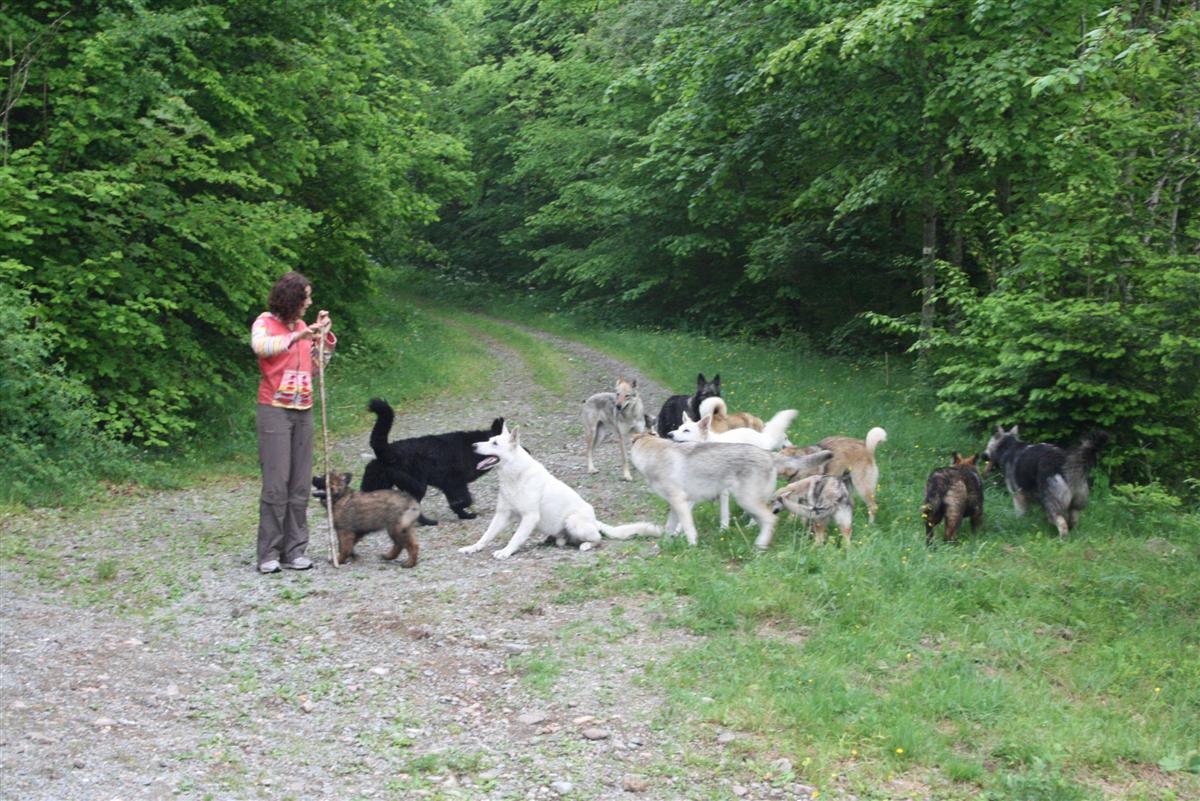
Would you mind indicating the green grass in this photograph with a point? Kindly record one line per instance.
(545, 361)
(1014, 665)
(539, 670)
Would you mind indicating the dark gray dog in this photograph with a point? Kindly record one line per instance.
(1056, 478)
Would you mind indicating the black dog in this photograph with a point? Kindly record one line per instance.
(446, 461)
(1057, 478)
(670, 417)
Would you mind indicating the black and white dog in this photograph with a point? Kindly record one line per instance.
(446, 461)
(670, 417)
(1056, 478)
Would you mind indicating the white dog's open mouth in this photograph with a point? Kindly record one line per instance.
(487, 463)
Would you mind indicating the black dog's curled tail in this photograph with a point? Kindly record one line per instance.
(1083, 456)
(383, 426)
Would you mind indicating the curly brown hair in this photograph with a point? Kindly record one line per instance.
(286, 300)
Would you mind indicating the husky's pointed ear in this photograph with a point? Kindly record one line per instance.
(687, 418)
(705, 422)
(700, 382)
(514, 437)
(970, 460)
(497, 425)
(957, 458)
(633, 383)
(1013, 431)
(999, 430)
(347, 478)
(717, 381)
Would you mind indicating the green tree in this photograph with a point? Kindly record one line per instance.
(177, 157)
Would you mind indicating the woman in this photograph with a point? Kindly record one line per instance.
(285, 347)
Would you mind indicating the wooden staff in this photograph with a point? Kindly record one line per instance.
(333, 551)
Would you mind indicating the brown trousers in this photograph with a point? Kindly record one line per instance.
(285, 446)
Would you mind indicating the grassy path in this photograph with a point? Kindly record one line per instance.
(141, 650)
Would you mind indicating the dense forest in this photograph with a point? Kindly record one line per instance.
(1007, 191)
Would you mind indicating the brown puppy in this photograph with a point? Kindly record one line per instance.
(952, 493)
(722, 420)
(357, 514)
(853, 456)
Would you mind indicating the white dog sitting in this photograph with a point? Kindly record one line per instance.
(541, 502)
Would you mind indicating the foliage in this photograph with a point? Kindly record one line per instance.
(177, 157)
(1011, 187)
(47, 417)
(795, 167)
(1096, 322)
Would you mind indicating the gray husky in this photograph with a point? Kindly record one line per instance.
(619, 413)
(684, 473)
(1057, 478)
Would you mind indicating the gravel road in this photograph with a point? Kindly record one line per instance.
(144, 658)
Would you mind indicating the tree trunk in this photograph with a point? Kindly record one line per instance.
(929, 229)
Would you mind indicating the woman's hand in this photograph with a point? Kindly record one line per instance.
(323, 323)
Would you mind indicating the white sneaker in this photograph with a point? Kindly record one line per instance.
(270, 566)
(299, 563)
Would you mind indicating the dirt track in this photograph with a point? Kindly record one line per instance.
(463, 678)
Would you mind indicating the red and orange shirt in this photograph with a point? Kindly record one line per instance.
(286, 365)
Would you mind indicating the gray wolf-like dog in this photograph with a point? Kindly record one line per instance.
(621, 413)
(817, 500)
(540, 502)
(1056, 478)
(686, 473)
(853, 456)
(357, 514)
(952, 494)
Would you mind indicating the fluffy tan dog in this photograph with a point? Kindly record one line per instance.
(722, 420)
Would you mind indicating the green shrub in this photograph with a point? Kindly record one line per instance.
(48, 435)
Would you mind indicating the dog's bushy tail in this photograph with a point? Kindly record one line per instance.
(776, 428)
(934, 499)
(629, 530)
(1082, 458)
(875, 436)
(714, 406)
(383, 426)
